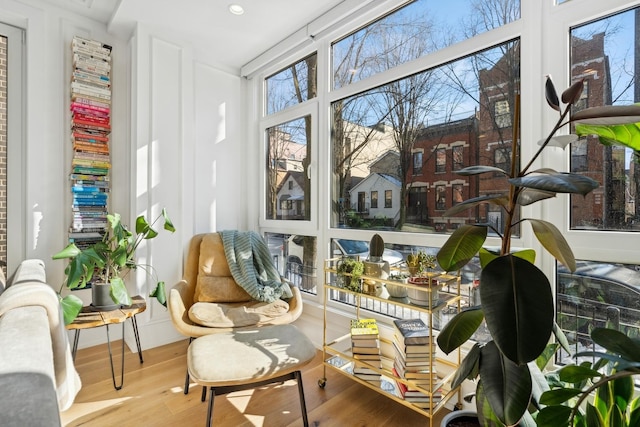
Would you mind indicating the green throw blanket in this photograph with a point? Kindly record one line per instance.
(251, 266)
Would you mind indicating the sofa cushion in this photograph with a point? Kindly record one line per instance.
(28, 399)
(214, 282)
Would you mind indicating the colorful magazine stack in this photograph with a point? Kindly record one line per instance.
(90, 131)
(415, 356)
(365, 347)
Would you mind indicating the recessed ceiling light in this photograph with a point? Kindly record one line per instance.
(236, 9)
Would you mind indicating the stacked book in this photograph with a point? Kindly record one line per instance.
(365, 348)
(90, 131)
(415, 359)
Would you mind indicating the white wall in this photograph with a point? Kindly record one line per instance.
(176, 143)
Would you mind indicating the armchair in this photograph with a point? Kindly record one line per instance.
(207, 277)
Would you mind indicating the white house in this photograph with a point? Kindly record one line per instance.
(377, 196)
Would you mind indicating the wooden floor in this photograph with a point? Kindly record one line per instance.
(153, 396)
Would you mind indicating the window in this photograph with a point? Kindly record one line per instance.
(283, 139)
(601, 53)
(388, 201)
(374, 199)
(417, 163)
(294, 257)
(502, 114)
(457, 157)
(502, 158)
(441, 160)
(293, 85)
(456, 193)
(441, 198)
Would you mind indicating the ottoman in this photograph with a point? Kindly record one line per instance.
(248, 358)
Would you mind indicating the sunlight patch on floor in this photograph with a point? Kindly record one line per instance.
(79, 410)
(240, 399)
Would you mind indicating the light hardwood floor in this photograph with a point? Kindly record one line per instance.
(152, 396)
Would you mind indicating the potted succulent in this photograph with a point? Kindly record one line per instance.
(375, 266)
(397, 291)
(517, 300)
(424, 277)
(349, 272)
(105, 263)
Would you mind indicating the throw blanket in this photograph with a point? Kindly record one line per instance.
(67, 380)
(251, 266)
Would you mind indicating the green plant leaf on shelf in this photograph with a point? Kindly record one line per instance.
(518, 307)
(459, 329)
(554, 242)
(119, 291)
(507, 386)
(463, 244)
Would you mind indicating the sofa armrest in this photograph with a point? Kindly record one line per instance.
(30, 270)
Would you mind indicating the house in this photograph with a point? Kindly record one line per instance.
(196, 90)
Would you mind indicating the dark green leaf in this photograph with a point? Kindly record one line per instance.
(594, 419)
(615, 417)
(560, 183)
(553, 416)
(71, 306)
(561, 338)
(168, 225)
(160, 294)
(501, 200)
(489, 253)
(459, 329)
(468, 368)
(573, 93)
(554, 242)
(529, 196)
(485, 414)
(634, 412)
(559, 395)
(622, 389)
(141, 225)
(518, 307)
(507, 386)
(551, 94)
(461, 246)
(547, 355)
(576, 373)
(119, 292)
(617, 342)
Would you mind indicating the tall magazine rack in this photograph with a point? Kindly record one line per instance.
(90, 106)
(337, 354)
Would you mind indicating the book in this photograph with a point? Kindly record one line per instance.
(365, 350)
(412, 331)
(373, 342)
(364, 329)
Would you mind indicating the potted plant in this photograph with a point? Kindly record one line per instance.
(397, 291)
(416, 262)
(375, 266)
(517, 300)
(105, 263)
(423, 277)
(349, 272)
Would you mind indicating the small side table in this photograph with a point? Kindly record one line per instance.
(90, 317)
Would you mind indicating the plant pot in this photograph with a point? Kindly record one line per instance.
(461, 418)
(397, 291)
(101, 297)
(428, 297)
(379, 269)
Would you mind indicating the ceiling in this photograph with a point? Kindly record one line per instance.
(231, 40)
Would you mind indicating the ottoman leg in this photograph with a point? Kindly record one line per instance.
(303, 405)
(210, 408)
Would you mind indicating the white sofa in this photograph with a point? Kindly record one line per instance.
(37, 375)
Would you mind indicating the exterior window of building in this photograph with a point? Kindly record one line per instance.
(283, 139)
(292, 85)
(417, 163)
(374, 199)
(502, 158)
(502, 114)
(457, 157)
(441, 160)
(441, 198)
(388, 200)
(456, 193)
(597, 57)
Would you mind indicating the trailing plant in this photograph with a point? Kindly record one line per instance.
(517, 300)
(350, 270)
(108, 261)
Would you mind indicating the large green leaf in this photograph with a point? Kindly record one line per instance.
(168, 225)
(553, 416)
(594, 419)
(119, 292)
(460, 329)
(518, 307)
(615, 417)
(558, 396)
(507, 386)
(71, 306)
(549, 351)
(69, 252)
(468, 368)
(501, 200)
(81, 268)
(626, 135)
(463, 244)
(617, 342)
(561, 338)
(554, 242)
(489, 253)
(160, 294)
(529, 196)
(634, 412)
(485, 414)
(576, 373)
(622, 389)
(608, 115)
(560, 183)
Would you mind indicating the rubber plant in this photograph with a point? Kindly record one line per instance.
(517, 300)
(108, 261)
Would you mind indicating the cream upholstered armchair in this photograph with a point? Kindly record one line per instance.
(208, 300)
